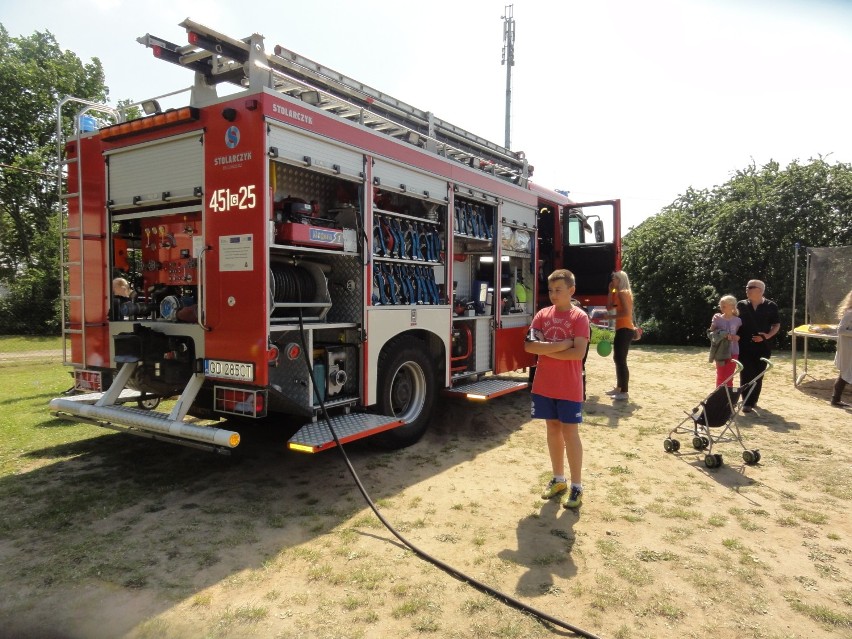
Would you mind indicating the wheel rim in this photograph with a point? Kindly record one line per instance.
(149, 403)
(408, 391)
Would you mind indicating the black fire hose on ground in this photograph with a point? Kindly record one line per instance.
(453, 572)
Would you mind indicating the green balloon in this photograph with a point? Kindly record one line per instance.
(604, 348)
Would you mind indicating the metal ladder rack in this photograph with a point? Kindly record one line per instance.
(219, 58)
(76, 233)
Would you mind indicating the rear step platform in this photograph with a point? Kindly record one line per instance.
(106, 410)
(486, 388)
(126, 395)
(316, 436)
(146, 423)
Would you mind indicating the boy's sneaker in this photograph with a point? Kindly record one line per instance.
(620, 396)
(554, 488)
(575, 498)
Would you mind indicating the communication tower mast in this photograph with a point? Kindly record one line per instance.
(509, 61)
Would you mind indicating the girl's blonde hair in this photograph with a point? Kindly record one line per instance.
(845, 305)
(623, 281)
(730, 299)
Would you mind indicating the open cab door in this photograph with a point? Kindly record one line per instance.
(591, 247)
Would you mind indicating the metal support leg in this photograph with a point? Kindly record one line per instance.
(184, 402)
(109, 398)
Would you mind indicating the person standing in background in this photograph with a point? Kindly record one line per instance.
(843, 359)
(620, 307)
(760, 324)
(727, 320)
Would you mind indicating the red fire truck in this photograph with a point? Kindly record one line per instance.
(304, 242)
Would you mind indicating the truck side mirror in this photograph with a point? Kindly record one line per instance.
(599, 231)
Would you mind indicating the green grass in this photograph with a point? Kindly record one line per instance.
(411, 607)
(655, 555)
(823, 614)
(245, 614)
(60, 478)
(30, 436)
(22, 343)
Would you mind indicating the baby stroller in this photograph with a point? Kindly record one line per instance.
(714, 421)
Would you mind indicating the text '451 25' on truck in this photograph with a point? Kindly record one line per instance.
(307, 240)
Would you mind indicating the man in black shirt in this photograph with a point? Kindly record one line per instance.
(760, 324)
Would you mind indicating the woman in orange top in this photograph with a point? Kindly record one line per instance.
(620, 307)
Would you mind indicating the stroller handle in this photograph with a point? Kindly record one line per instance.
(765, 361)
(738, 365)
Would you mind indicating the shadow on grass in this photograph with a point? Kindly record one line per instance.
(599, 407)
(732, 472)
(42, 397)
(51, 423)
(766, 418)
(544, 551)
(126, 515)
(821, 389)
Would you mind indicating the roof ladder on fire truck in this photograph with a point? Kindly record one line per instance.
(72, 228)
(217, 58)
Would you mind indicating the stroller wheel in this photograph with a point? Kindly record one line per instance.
(751, 457)
(671, 445)
(713, 461)
(697, 443)
(705, 440)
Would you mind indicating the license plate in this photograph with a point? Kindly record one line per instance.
(239, 371)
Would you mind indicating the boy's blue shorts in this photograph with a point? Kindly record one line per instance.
(564, 410)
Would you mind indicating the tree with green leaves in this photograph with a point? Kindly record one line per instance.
(35, 73)
(710, 243)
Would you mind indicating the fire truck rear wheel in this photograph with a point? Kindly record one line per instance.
(406, 390)
(148, 403)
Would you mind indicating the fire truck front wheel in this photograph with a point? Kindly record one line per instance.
(406, 390)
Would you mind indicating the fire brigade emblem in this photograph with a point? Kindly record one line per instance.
(232, 137)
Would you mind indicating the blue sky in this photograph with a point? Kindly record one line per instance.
(611, 98)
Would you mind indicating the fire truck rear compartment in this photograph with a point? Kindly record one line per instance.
(166, 362)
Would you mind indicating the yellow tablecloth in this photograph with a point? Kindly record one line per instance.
(819, 331)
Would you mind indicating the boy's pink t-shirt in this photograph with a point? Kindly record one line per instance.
(560, 378)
